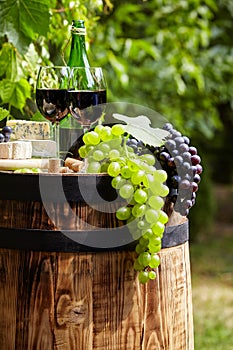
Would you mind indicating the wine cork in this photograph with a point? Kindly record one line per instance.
(74, 164)
(54, 165)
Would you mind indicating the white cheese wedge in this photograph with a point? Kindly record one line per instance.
(29, 130)
(44, 148)
(15, 150)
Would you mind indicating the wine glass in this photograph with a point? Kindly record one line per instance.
(51, 96)
(86, 95)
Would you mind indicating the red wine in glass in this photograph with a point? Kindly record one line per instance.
(52, 103)
(86, 106)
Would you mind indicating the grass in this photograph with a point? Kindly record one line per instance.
(212, 285)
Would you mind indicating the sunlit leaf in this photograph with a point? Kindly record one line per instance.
(139, 127)
(22, 20)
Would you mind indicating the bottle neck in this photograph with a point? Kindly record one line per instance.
(78, 54)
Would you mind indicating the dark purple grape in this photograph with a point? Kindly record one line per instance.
(195, 159)
(168, 127)
(171, 163)
(192, 150)
(186, 166)
(179, 140)
(188, 177)
(170, 144)
(175, 152)
(188, 204)
(199, 169)
(164, 156)
(2, 137)
(175, 180)
(6, 130)
(186, 140)
(178, 160)
(186, 156)
(185, 184)
(197, 178)
(183, 147)
(176, 134)
(6, 138)
(194, 186)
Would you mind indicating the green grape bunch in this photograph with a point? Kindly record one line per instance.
(139, 183)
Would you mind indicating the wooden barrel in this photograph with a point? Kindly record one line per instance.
(66, 284)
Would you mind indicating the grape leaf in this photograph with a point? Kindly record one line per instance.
(22, 20)
(139, 127)
(3, 113)
(15, 93)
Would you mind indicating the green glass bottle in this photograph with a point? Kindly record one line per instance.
(78, 54)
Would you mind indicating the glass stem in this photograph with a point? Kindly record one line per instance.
(56, 130)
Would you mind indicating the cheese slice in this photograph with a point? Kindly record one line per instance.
(6, 150)
(15, 150)
(29, 130)
(21, 150)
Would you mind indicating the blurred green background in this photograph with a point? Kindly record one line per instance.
(175, 57)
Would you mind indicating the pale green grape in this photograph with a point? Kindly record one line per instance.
(114, 169)
(115, 142)
(104, 147)
(140, 249)
(152, 275)
(106, 133)
(137, 177)
(93, 138)
(137, 265)
(123, 213)
(148, 158)
(148, 180)
(126, 172)
(83, 151)
(151, 215)
(163, 218)
(159, 189)
(147, 233)
(143, 277)
(118, 129)
(160, 176)
(158, 228)
(126, 191)
(140, 196)
(138, 210)
(98, 155)
(93, 167)
(98, 128)
(156, 202)
(114, 154)
(154, 261)
(154, 248)
(133, 165)
(145, 258)
(117, 182)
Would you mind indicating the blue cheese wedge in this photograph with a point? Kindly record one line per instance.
(16, 150)
(29, 130)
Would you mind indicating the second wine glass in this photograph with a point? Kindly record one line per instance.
(86, 95)
(52, 96)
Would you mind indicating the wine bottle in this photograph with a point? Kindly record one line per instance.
(78, 54)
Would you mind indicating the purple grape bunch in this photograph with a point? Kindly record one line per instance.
(183, 166)
(5, 134)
